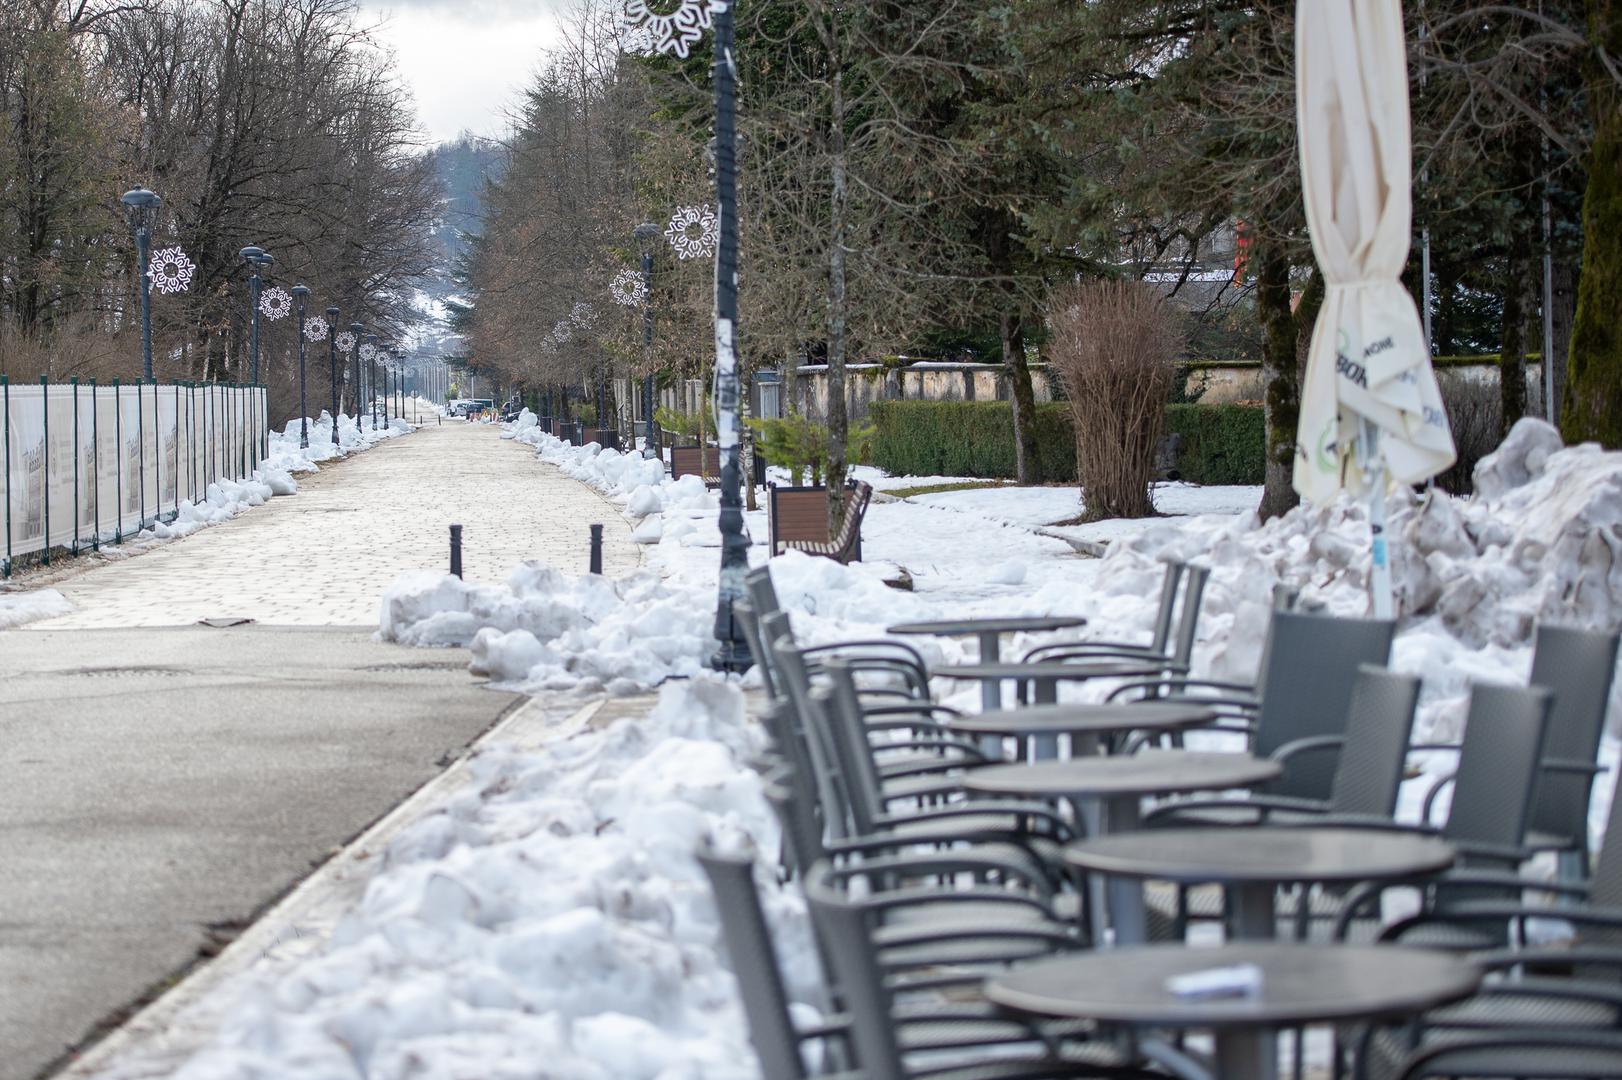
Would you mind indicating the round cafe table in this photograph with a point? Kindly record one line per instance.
(1300, 984)
(989, 631)
(1252, 862)
(1086, 725)
(1106, 793)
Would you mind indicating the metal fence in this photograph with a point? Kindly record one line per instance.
(87, 464)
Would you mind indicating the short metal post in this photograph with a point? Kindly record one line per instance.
(5, 433)
(118, 463)
(456, 550)
(45, 415)
(95, 462)
(76, 445)
(597, 550)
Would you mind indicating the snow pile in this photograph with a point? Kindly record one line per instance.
(287, 456)
(546, 629)
(550, 918)
(17, 608)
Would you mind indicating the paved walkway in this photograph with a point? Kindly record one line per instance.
(324, 556)
(163, 781)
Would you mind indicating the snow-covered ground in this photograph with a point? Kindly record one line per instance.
(223, 500)
(552, 912)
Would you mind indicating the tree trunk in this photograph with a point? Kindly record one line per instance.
(838, 423)
(1518, 308)
(1281, 385)
(1565, 310)
(1019, 375)
(1444, 325)
(1592, 406)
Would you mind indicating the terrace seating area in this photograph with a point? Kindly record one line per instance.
(1179, 877)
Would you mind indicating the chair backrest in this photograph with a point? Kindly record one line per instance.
(840, 708)
(845, 933)
(1168, 604)
(1310, 664)
(1499, 761)
(762, 592)
(754, 962)
(1188, 620)
(1578, 666)
(744, 611)
(1379, 725)
(814, 739)
(793, 799)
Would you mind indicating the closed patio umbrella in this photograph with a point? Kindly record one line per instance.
(1371, 413)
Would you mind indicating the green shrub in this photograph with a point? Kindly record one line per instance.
(800, 445)
(968, 438)
(1222, 444)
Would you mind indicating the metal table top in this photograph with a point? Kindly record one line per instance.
(1152, 772)
(1262, 854)
(1095, 719)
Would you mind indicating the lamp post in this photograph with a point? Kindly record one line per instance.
(332, 366)
(647, 238)
(257, 258)
(141, 207)
(359, 331)
(300, 293)
(371, 376)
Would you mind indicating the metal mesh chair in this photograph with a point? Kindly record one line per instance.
(1578, 666)
(1159, 641)
(1519, 1055)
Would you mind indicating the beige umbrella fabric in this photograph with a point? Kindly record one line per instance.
(1371, 413)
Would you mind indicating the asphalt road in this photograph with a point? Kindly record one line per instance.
(160, 786)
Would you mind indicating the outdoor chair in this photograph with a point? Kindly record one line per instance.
(780, 1043)
(1518, 1055)
(846, 923)
(1309, 666)
(1159, 644)
(875, 653)
(700, 461)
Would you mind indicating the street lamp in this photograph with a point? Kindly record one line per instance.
(647, 238)
(300, 292)
(257, 259)
(332, 366)
(141, 207)
(368, 354)
(359, 332)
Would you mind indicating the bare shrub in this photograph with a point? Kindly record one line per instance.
(1474, 410)
(1115, 346)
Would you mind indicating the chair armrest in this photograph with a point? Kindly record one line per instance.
(1568, 765)
(1114, 648)
(1260, 803)
(869, 643)
(1475, 879)
(1435, 791)
(1037, 811)
(1509, 853)
(918, 707)
(944, 863)
(1308, 745)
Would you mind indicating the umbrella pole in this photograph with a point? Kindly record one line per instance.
(1374, 472)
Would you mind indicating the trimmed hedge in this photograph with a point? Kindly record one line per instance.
(967, 438)
(1222, 444)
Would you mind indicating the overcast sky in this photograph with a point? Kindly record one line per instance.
(465, 60)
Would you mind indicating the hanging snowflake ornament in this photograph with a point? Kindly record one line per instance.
(346, 342)
(693, 231)
(583, 315)
(628, 288)
(275, 303)
(315, 328)
(368, 352)
(669, 26)
(171, 270)
(561, 331)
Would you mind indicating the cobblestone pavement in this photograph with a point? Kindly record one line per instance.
(324, 556)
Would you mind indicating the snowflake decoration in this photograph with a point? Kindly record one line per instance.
(171, 270)
(674, 30)
(549, 345)
(561, 332)
(693, 231)
(368, 352)
(583, 315)
(275, 303)
(628, 288)
(346, 342)
(315, 328)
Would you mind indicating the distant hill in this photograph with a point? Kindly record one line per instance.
(462, 166)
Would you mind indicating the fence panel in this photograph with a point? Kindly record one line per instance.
(89, 464)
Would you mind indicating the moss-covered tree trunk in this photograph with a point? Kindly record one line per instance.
(1592, 407)
(1281, 384)
(838, 420)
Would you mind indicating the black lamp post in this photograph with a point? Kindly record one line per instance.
(359, 331)
(371, 378)
(332, 366)
(647, 238)
(141, 207)
(257, 258)
(733, 653)
(300, 293)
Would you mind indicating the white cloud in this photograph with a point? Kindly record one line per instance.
(465, 60)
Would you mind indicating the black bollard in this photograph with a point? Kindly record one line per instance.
(597, 549)
(456, 550)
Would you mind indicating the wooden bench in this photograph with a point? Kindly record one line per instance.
(696, 461)
(607, 438)
(798, 519)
